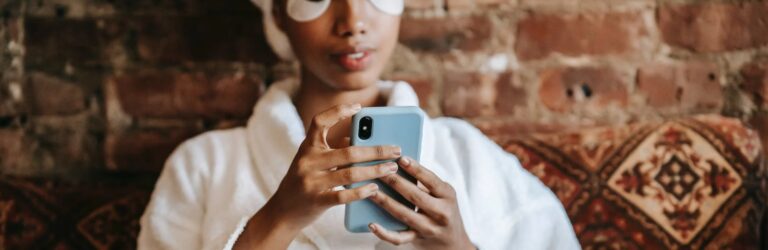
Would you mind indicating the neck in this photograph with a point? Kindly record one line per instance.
(315, 96)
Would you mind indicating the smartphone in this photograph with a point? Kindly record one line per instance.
(401, 126)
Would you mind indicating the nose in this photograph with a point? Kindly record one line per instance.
(352, 19)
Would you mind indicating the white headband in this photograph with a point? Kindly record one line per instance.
(276, 37)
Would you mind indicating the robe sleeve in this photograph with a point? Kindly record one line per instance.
(541, 226)
(174, 216)
(509, 207)
(540, 221)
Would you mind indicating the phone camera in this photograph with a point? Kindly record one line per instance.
(366, 128)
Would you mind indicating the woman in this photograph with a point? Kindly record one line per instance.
(275, 184)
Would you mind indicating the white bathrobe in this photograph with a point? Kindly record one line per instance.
(212, 184)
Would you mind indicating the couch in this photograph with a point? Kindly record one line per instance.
(693, 183)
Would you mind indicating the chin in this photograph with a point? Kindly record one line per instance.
(354, 80)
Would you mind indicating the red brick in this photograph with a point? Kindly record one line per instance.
(187, 7)
(541, 35)
(173, 94)
(693, 85)
(420, 4)
(171, 39)
(564, 89)
(444, 35)
(226, 124)
(756, 81)
(10, 28)
(12, 121)
(510, 96)
(143, 150)
(69, 9)
(58, 41)
(715, 27)
(67, 143)
(486, 3)
(498, 128)
(453, 5)
(469, 94)
(48, 95)
(8, 106)
(659, 86)
(11, 148)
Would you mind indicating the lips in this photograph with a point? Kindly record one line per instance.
(354, 59)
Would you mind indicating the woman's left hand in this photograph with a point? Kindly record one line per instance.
(438, 223)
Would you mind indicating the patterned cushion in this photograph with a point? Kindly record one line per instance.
(44, 213)
(691, 183)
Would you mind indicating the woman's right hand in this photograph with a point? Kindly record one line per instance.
(307, 189)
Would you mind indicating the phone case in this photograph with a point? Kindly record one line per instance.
(401, 126)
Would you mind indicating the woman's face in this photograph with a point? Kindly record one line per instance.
(344, 43)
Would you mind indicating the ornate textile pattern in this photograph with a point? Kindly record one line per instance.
(692, 183)
(55, 214)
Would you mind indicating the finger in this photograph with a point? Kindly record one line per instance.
(412, 193)
(419, 222)
(346, 196)
(436, 186)
(357, 154)
(422, 187)
(346, 142)
(351, 175)
(321, 123)
(396, 238)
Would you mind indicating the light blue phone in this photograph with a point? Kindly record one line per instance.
(401, 126)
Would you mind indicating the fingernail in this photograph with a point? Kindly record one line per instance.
(372, 227)
(406, 161)
(357, 107)
(372, 189)
(390, 167)
(397, 151)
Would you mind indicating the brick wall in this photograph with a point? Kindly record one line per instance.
(113, 86)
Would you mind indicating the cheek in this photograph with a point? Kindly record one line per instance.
(302, 34)
(388, 32)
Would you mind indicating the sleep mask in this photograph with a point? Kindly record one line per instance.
(307, 10)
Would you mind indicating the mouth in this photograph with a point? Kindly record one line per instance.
(355, 59)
